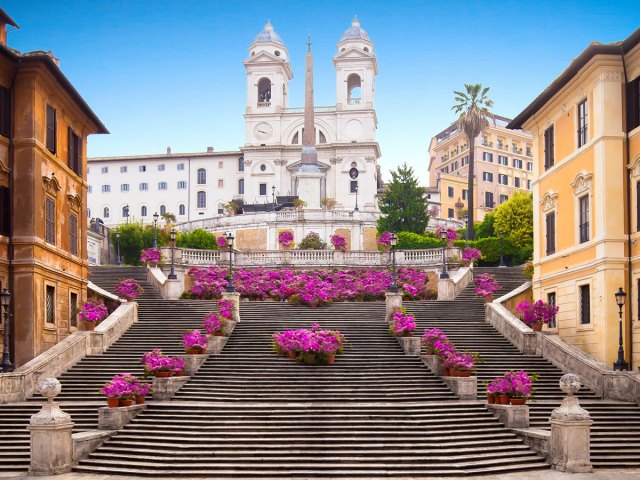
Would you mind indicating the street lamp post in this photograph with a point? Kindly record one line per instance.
(356, 209)
(155, 229)
(502, 264)
(620, 364)
(118, 261)
(5, 300)
(393, 288)
(230, 238)
(273, 195)
(443, 273)
(172, 236)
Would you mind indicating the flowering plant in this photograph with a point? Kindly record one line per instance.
(311, 345)
(430, 336)
(225, 309)
(471, 255)
(486, 285)
(128, 288)
(221, 242)
(339, 242)
(194, 339)
(212, 324)
(156, 361)
(433, 211)
(150, 255)
(402, 324)
(141, 389)
(518, 384)
(536, 312)
(285, 238)
(450, 236)
(384, 240)
(93, 312)
(443, 349)
(464, 361)
(120, 386)
(499, 386)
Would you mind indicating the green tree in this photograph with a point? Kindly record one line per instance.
(473, 107)
(168, 218)
(197, 238)
(485, 229)
(131, 242)
(514, 218)
(403, 204)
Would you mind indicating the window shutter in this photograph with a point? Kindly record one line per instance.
(78, 169)
(51, 129)
(5, 210)
(5, 111)
(71, 155)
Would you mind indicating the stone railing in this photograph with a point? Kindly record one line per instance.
(450, 288)
(20, 384)
(613, 385)
(194, 256)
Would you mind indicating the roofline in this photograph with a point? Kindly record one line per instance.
(4, 17)
(454, 124)
(574, 67)
(44, 58)
(164, 156)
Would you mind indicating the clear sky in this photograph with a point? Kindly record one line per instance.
(169, 73)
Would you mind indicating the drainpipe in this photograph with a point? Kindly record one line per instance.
(625, 156)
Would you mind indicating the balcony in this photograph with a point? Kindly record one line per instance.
(516, 150)
(353, 101)
(264, 104)
(487, 144)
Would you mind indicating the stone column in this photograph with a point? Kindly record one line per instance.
(393, 302)
(569, 448)
(235, 298)
(51, 440)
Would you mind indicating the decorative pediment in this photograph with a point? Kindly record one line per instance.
(634, 166)
(549, 201)
(51, 184)
(582, 183)
(294, 166)
(353, 52)
(75, 202)
(264, 57)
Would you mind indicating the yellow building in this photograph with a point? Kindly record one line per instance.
(503, 164)
(586, 146)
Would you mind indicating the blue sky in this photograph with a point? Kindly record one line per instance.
(169, 73)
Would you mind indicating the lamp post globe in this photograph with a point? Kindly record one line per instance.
(620, 363)
(5, 301)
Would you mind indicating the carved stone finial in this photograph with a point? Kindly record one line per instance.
(570, 384)
(50, 388)
(570, 408)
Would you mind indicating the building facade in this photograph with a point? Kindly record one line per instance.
(586, 138)
(197, 186)
(503, 164)
(44, 124)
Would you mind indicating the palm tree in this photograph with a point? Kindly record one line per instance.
(473, 107)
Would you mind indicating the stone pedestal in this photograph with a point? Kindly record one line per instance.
(434, 364)
(117, 418)
(50, 429)
(309, 187)
(569, 446)
(165, 387)
(410, 345)
(512, 416)
(85, 443)
(173, 289)
(227, 327)
(216, 344)
(446, 289)
(192, 363)
(393, 302)
(466, 388)
(235, 298)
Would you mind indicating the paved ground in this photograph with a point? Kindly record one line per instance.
(627, 474)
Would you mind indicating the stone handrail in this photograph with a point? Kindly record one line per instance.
(101, 292)
(610, 384)
(170, 289)
(450, 288)
(194, 256)
(17, 386)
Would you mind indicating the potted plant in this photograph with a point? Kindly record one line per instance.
(430, 336)
(521, 386)
(444, 349)
(150, 256)
(536, 314)
(285, 239)
(384, 241)
(339, 242)
(402, 325)
(128, 289)
(231, 208)
(194, 342)
(486, 286)
(500, 388)
(222, 242)
(120, 390)
(313, 346)
(92, 313)
(212, 325)
(299, 203)
(470, 255)
(140, 391)
(463, 364)
(328, 203)
(157, 363)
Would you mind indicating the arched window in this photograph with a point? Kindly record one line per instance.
(181, 209)
(321, 137)
(105, 212)
(202, 199)
(241, 186)
(143, 211)
(220, 208)
(354, 85)
(125, 211)
(296, 139)
(241, 164)
(264, 92)
(163, 209)
(202, 176)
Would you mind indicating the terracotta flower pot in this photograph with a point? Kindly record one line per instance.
(447, 372)
(194, 350)
(488, 299)
(536, 327)
(140, 399)
(332, 359)
(113, 402)
(518, 401)
(179, 373)
(126, 402)
(89, 325)
(464, 373)
(163, 373)
(491, 399)
(502, 399)
(292, 355)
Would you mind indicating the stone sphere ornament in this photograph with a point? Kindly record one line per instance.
(50, 388)
(570, 383)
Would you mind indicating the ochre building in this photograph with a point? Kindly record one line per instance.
(586, 147)
(44, 124)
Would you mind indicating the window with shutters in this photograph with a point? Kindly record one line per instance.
(488, 200)
(124, 187)
(583, 226)
(465, 160)
(5, 111)
(50, 220)
(162, 185)
(202, 200)
(221, 183)
(202, 176)
(530, 166)
(52, 129)
(551, 300)
(5, 209)
(516, 182)
(122, 169)
(73, 309)
(503, 198)
(487, 176)
(465, 194)
(74, 160)
(529, 184)
(633, 104)
(143, 187)
(550, 223)
(503, 160)
(503, 179)
(450, 192)
(517, 163)
(583, 123)
(73, 235)
(549, 156)
(106, 188)
(585, 305)
(487, 157)
(161, 167)
(181, 166)
(182, 185)
(105, 212)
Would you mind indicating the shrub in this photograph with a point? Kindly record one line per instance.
(197, 238)
(312, 242)
(416, 241)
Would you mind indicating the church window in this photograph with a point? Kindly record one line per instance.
(322, 138)
(220, 209)
(163, 209)
(125, 212)
(264, 92)
(354, 85)
(277, 52)
(50, 221)
(366, 49)
(353, 186)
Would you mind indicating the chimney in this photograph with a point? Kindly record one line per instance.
(209, 149)
(4, 21)
(168, 150)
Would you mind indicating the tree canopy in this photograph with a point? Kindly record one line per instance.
(403, 204)
(514, 218)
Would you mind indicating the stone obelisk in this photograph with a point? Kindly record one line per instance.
(309, 175)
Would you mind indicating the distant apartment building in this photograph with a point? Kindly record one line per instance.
(503, 165)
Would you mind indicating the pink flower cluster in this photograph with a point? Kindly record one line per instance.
(93, 312)
(486, 285)
(212, 324)
(194, 339)
(155, 361)
(436, 342)
(459, 360)
(125, 386)
(471, 254)
(128, 288)
(313, 288)
(536, 312)
(313, 340)
(384, 239)
(285, 238)
(339, 242)
(401, 323)
(221, 242)
(451, 233)
(518, 384)
(430, 336)
(150, 255)
(225, 309)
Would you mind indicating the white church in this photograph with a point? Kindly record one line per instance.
(266, 174)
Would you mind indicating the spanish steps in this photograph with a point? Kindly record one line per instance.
(375, 413)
